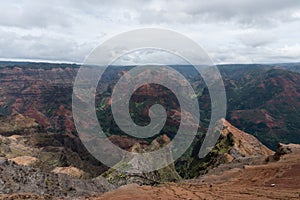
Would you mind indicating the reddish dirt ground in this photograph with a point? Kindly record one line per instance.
(275, 180)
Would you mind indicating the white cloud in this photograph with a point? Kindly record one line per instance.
(230, 31)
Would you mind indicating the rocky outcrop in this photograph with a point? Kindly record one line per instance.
(125, 142)
(243, 144)
(48, 151)
(70, 171)
(25, 160)
(282, 150)
(133, 166)
(21, 179)
(233, 145)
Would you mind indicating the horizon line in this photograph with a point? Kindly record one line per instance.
(78, 63)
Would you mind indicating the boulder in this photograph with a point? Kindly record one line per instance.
(25, 160)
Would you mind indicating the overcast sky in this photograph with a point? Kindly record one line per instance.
(230, 31)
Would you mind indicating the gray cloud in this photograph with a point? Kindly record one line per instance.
(246, 13)
(41, 47)
(33, 14)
